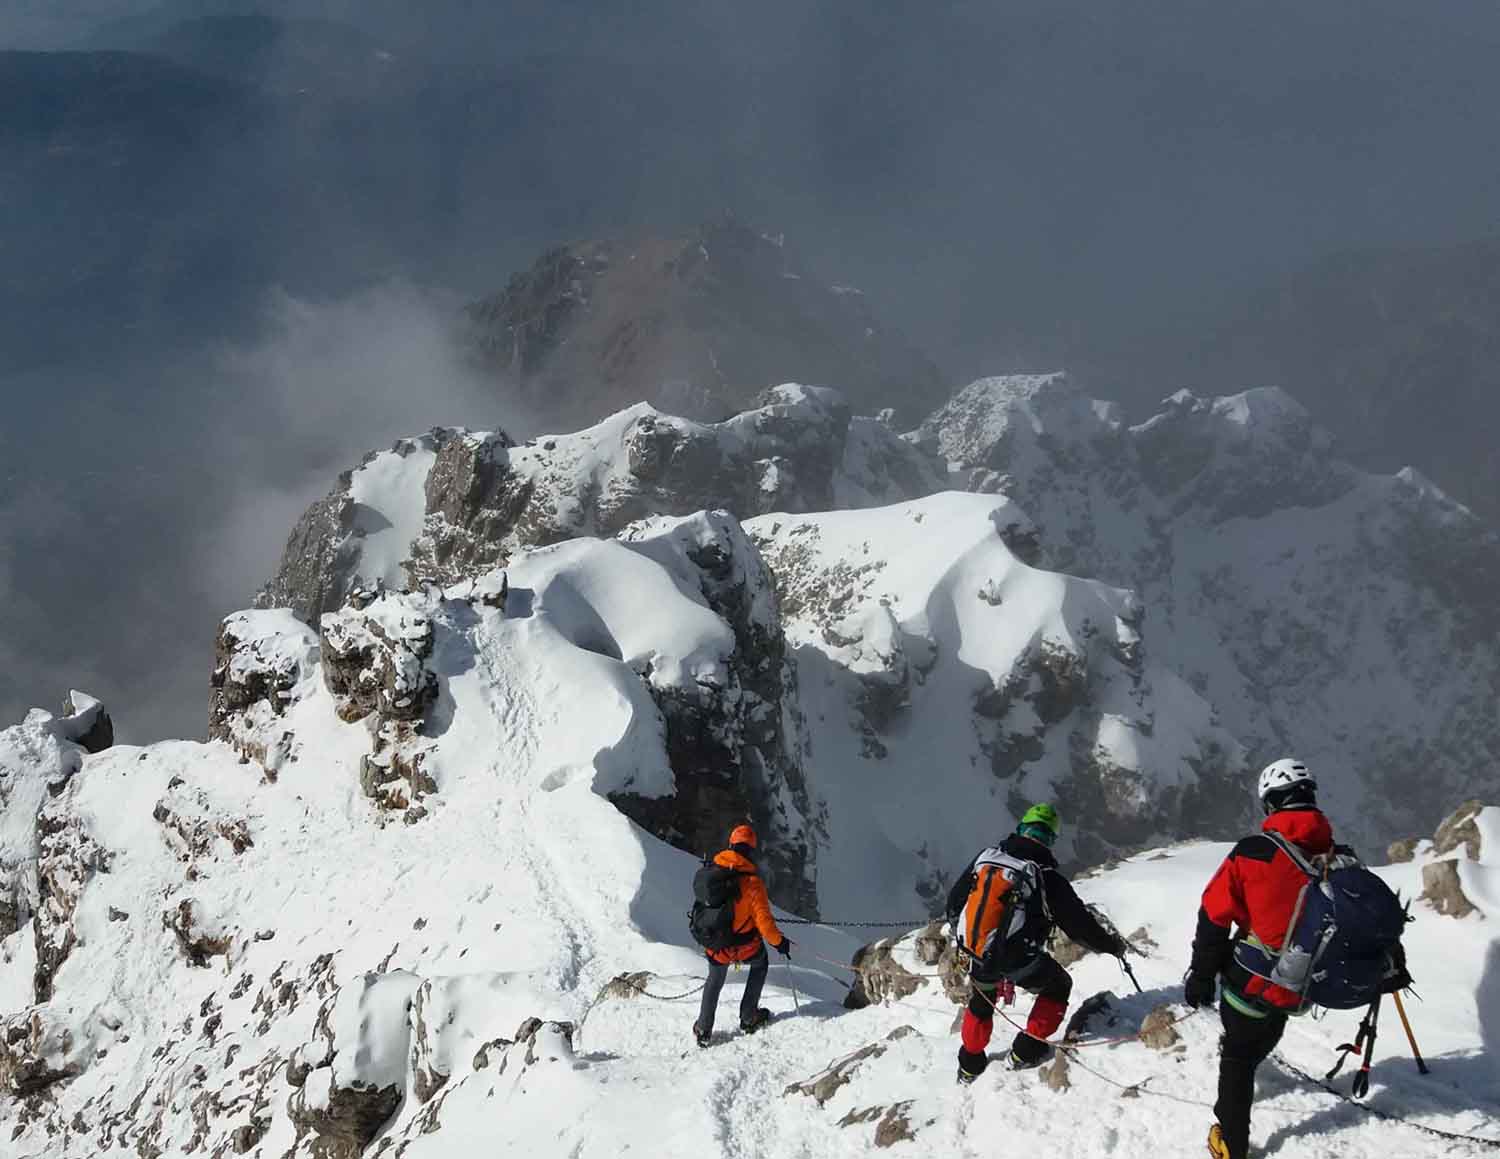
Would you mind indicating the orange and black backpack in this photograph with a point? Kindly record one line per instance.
(1006, 906)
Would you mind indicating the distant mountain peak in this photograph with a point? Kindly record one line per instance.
(697, 323)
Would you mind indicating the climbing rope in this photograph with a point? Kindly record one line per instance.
(1071, 1049)
(910, 925)
(623, 980)
(1386, 1116)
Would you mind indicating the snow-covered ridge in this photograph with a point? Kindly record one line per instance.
(453, 503)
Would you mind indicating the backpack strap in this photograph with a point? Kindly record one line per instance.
(1300, 859)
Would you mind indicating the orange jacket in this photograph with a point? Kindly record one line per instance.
(752, 912)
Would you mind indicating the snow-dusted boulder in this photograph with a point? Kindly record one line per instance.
(455, 504)
(263, 661)
(890, 969)
(1344, 617)
(37, 759)
(454, 1018)
(350, 1078)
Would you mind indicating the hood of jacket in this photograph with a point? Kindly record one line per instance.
(1309, 829)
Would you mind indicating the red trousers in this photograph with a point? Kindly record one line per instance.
(1047, 980)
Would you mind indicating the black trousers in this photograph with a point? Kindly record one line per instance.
(1245, 1044)
(749, 1001)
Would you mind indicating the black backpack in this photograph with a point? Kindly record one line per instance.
(711, 920)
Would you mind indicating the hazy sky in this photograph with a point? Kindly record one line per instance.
(1007, 181)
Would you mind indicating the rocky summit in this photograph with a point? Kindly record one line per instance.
(697, 325)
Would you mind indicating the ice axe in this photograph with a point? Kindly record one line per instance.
(1410, 1037)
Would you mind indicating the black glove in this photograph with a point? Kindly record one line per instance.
(1199, 989)
(1121, 947)
(785, 949)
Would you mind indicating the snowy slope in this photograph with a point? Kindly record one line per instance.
(340, 951)
(1345, 617)
(947, 685)
(214, 903)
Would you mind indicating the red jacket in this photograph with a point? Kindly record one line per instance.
(1255, 890)
(752, 911)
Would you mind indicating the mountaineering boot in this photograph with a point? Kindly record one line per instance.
(971, 1065)
(1217, 1146)
(755, 1021)
(700, 1036)
(1028, 1051)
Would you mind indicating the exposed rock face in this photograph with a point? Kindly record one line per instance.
(349, 1077)
(1443, 889)
(1460, 830)
(735, 751)
(35, 1052)
(261, 661)
(826, 1083)
(358, 535)
(891, 969)
(67, 857)
(40, 758)
(697, 324)
(453, 505)
(942, 650)
(1239, 529)
(86, 723)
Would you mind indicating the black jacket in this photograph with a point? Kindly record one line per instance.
(1064, 908)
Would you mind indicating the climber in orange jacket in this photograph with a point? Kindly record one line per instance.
(733, 886)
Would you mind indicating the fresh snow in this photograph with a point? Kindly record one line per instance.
(245, 945)
(390, 506)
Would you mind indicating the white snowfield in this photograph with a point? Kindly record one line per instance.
(258, 961)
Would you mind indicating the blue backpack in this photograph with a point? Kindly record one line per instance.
(1338, 949)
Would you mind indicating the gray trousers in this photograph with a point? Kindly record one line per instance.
(759, 966)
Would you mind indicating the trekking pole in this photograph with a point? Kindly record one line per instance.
(1410, 1037)
(1361, 1086)
(792, 981)
(1129, 973)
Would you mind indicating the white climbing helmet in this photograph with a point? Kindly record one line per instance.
(1283, 774)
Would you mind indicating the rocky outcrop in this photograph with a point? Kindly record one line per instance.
(454, 504)
(1443, 889)
(325, 559)
(38, 759)
(349, 1078)
(1460, 831)
(86, 722)
(373, 661)
(698, 324)
(841, 1071)
(36, 1050)
(891, 969)
(1458, 840)
(67, 858)
(735, 751)
(942, 650)
(262, 660)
